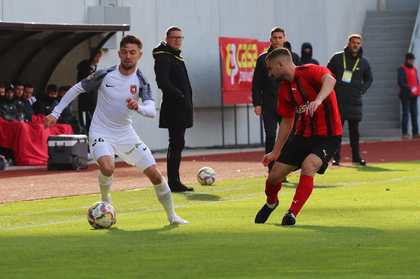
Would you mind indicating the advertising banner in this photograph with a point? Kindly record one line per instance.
(238, 59)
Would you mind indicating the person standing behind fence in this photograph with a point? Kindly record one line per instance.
(408, 82)
(176, 112)
(354, 77)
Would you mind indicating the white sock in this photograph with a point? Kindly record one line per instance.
(105, 183)
(271, 205)
(164, 196)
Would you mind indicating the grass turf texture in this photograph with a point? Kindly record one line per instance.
(360, 222)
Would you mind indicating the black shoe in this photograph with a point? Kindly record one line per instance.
(264, 213)
(335, 163)
(359, 161)
(288, 219)
(179, 187)
(285, 180)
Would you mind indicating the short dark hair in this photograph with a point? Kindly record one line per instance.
(278, 29)
(282, 52)
(172, 28)
(2, 86)
(28, 85)
(52, 87)
(131, 39)
(352, 36)
(62, 88)
(409, 56)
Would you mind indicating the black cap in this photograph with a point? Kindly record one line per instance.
(409, 56)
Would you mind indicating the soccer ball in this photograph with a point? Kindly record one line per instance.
(206, 176)
(101, 215)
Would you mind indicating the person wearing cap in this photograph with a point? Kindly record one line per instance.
(408, 82)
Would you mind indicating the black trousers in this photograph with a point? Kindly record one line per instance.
(173, 156)
(354, 140)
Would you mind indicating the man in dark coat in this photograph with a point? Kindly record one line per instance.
(176, 112)
(265, 88)
(354, 77)
(87, 102)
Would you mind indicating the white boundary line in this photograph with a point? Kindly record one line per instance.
(212, 202)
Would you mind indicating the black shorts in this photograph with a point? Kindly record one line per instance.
(295, 152)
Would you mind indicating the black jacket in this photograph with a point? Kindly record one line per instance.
(26, 108)
(349, 95)
(264, 87)
(176, 109)
(86, 101)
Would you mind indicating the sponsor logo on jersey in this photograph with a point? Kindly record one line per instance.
(133, 89)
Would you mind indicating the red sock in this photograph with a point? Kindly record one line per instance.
(271, 191)
(303, 191)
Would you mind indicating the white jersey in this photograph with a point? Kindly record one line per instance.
(111, 117)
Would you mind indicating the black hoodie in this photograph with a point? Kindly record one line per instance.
(306, 57)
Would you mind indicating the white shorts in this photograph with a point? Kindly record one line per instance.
(128, 147)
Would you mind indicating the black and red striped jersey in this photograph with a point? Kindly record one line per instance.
(296, 95)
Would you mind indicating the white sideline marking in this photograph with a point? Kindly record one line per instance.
(212, 202)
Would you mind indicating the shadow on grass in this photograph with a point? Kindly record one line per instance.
(375, 169)
(330, 229)
(118, 231)
(202, 197)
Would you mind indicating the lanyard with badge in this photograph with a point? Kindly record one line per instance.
(347, 75)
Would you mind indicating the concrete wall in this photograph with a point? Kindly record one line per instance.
(324, 23)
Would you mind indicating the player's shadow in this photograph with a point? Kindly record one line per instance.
(202, 197)
(117, 231)
(369, 168)
(333, 230)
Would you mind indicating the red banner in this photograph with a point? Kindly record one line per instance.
(239, 57)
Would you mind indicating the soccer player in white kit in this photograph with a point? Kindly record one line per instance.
(120, 88)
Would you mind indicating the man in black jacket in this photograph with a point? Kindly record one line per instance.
(87, 102)
(354, 77)
(265, 89)
(176, 112)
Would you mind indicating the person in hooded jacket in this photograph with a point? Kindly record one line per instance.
(265, 89)
(87, 102)
(408, 82)
(354, 77)
(46, 103)
(176, 112)
(306, 54)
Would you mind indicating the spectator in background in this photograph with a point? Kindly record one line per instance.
(265, 90)
(8, 109)
(354, 77)
(24, 105)
(46, 103)
(176, 113)
(18, 90)
(87, 102)
(306, 54)
(408, 82)
(66, 116)
(2, 92)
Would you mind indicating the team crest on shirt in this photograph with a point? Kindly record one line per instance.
(91, 76)
(133, 89)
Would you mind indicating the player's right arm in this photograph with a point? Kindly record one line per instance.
(286, 126)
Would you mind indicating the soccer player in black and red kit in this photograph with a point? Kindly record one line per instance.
(309, 90)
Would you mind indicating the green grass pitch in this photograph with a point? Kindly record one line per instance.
(360, 222)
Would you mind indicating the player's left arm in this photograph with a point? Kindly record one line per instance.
(147, 109)
(328, 82)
